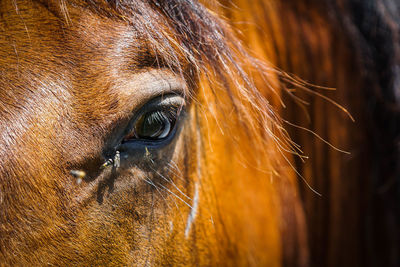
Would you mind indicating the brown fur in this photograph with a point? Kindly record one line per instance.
(73, 73)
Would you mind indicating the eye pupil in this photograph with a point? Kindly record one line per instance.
(155, 121)
(153, 125)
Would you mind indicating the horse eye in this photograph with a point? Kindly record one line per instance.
(154, 125)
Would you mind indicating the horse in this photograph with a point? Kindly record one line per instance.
(131, 134)
(148, 133)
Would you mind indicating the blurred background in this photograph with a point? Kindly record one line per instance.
(354, 47)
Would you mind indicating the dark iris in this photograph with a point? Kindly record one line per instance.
(153, 125)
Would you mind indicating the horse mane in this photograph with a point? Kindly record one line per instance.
(352, 46)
